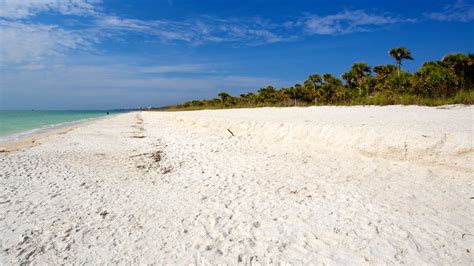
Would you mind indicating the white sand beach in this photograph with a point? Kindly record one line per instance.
(322, 185)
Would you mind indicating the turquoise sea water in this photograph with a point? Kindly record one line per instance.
(15, 123)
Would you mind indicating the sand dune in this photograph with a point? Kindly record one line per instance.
(337, 185)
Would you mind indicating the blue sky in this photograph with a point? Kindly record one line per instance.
(93, 54)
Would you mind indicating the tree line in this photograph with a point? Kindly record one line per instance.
(447, 81)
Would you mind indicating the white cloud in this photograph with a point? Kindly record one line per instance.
(184, 68)
(250, 31)
(346, 22)
(31, 42)
(461, 11)
(16, 9)
(26, 42)
(165, 30)
(204, 29)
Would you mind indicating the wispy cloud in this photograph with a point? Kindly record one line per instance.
(200, 30)
(165, 30)
(184, 68)
(252, 31)
(24, 8)
(31, 42)
(348, 22)
(461, 10)
(27, 42)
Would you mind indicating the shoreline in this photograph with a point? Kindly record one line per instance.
(33, 137)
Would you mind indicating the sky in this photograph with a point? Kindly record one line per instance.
(107, 54)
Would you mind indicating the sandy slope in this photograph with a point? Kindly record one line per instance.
(331, 185)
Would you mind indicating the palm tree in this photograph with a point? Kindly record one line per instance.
(317, 81)
(296, 91)
(224, 96)
(330, 84)
(284, 95)
(361, 69)
(251, 97)
(356, 74)
(399, 54)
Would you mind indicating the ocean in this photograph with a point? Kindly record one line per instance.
(18, 124)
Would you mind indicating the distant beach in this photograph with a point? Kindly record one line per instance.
(334, 185)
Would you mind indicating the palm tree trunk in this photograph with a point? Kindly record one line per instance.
(398, 67)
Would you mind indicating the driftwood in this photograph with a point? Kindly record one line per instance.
(231, 132)
(141, 154)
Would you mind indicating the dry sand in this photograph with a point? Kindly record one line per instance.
(336, 185)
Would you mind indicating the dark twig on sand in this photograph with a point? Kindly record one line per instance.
(137, 155)
(167, 170)
(231, 132)
(104, 213)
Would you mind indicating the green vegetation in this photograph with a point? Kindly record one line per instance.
(448, 81)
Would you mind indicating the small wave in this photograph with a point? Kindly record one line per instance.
(43, 129)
